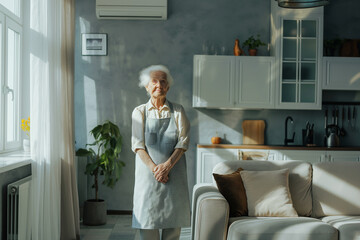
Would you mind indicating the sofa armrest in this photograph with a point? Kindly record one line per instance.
(210, 213)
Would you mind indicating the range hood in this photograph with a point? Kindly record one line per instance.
(302, 3)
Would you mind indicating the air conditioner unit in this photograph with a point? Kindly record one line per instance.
(131, 9)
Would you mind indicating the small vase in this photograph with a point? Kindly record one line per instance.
(26, 145)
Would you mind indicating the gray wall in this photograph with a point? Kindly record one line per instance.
(5, 179)
(106, 86)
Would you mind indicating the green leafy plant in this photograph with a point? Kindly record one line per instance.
(104, 160)
(253, 43)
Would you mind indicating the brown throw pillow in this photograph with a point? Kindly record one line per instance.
(232, 188)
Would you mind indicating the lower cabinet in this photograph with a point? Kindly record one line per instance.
(307, 156)
(337, 156)
(207, 158)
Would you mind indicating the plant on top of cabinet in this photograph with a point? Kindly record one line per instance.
(253, 44)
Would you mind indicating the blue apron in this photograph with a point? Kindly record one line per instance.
(158, 205)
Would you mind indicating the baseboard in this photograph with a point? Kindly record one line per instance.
(119, 212)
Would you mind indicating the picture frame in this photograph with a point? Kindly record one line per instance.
(94, 44)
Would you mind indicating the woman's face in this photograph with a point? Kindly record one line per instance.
(158, 85)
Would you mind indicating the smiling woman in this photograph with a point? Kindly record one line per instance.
(159, 139)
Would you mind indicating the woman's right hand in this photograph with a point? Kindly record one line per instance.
(160, 177)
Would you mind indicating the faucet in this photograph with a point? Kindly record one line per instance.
(286, 141)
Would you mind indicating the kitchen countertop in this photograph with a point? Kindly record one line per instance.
(278, 147)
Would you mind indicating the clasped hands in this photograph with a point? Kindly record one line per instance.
(161, 172)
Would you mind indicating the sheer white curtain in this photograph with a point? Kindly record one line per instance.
(54, 200)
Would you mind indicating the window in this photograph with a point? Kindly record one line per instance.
(10, 74)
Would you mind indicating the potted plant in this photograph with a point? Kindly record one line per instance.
(103, 155)
(252, 44)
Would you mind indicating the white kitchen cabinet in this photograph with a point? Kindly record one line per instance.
(341, 73)
(233, 82)
(337, 156)
(254, 82)
(207, 158)
(213, 82)
(307, 156)
(297, 46)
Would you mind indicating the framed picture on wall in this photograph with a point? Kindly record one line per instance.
(94, 44)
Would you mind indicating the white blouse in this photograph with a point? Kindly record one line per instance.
(181, 121)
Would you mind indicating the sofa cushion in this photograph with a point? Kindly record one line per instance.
(299, 228)
(348, 226)
(336, 188)
(232, 188)
(300, 174)
(268, 193)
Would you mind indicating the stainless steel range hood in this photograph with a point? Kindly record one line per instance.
(302, 3)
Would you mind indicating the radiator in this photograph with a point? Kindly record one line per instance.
(18, 196)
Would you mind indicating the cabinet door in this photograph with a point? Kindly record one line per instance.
(338, 156)
(307, 156)
(299, 64)
(254, 81)
(207, 158)
(213, 81)
(341, 73)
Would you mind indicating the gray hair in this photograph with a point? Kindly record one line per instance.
(145, 75)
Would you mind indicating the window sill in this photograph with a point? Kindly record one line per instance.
(10, 161)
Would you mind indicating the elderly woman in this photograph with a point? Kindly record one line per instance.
(159, 138)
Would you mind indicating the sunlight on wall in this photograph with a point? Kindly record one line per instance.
(38, 8)
(84, 28)
(90, 106)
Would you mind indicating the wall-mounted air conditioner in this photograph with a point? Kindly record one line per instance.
(132, 9)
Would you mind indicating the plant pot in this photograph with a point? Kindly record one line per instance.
(94, 212)
(26, 145)
(252, 52)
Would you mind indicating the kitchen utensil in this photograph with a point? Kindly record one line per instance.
(253, 132)
(326, 123)
(353, 118)
(308, 134)
(336, 116)
(332, 136)
(342, 129)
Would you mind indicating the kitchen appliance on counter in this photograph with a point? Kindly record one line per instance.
(253, 132)
(333, 139)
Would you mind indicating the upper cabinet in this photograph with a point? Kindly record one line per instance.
(233, 82)
(297, 47)
(341, 73)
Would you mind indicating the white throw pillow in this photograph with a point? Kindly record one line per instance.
(268, 193)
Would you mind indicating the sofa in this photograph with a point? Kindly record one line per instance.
(325, 196)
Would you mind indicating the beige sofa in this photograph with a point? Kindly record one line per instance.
(325, 195)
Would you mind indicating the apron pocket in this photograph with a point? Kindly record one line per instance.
(170, 137)
(150, 138)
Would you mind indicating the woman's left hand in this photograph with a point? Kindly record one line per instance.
(161, 172)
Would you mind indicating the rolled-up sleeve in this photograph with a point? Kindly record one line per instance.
(183, 128)
(137, 137)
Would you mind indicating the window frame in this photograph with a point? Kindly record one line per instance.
(11, 21)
